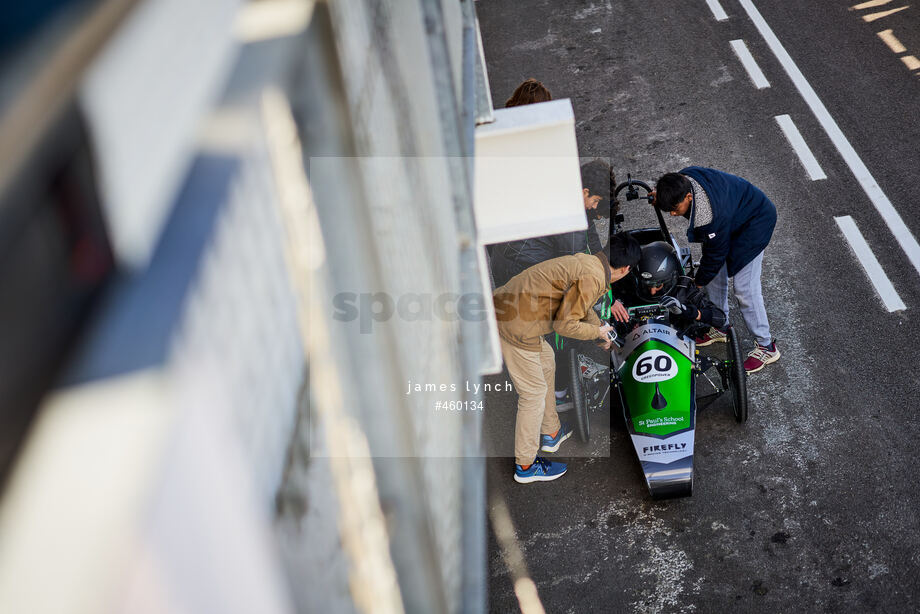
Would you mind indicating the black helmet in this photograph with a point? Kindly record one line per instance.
(658, 265)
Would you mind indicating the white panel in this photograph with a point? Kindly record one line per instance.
(528, 180)
(492, 361)
(70, 511)
(268, 19)
(453, 30)
(143, 98)
(129, 491)
(203, 542)
(667, 450)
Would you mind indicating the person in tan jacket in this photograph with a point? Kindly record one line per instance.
(554, 295)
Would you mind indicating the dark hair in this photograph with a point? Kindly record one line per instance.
(598, 178)
(529, 92)
(622, 250)
(670, 190)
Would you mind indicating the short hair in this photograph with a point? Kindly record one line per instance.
(622, 250)
(670, 190)
(597, 176)
(529, 92)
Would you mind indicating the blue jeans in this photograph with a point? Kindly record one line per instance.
(749, 295)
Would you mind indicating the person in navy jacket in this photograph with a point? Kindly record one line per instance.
(734, 221)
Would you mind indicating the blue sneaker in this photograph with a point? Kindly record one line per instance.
(549, 443)
(541, 470)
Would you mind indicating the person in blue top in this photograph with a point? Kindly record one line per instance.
(734, 221)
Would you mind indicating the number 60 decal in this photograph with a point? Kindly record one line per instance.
(654, 366)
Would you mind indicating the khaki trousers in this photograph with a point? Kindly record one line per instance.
(533, 375)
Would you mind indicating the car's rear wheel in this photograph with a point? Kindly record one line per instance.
(579, 398)
(737, 377)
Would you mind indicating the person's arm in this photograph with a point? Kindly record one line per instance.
(619, 311)
(618, 307)
(591, 317)
(708, 312)
(575, 317)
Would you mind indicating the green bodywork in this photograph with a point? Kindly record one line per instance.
(678, 391)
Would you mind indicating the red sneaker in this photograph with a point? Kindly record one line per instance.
(760, 357)
(713, 335)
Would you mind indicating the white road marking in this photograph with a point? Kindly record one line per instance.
(870, 264)
(750, 65)
(801, 148)
(892, 41)
(892, 218)
(717, 11)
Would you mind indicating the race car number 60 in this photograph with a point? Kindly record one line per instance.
(654, 366)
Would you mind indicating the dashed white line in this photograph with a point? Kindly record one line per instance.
(801, 148)
(870, 264)
(717, 11)
(892, 218)
(750, 65)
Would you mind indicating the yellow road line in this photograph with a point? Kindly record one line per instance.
(873, 16)
(869, 5)
(893, 43)
(911, 62)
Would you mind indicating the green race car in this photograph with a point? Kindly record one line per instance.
(655, 368)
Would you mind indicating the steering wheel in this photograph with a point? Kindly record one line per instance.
(632, 193)
(641, 313)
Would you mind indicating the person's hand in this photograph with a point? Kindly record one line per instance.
(604, 341)
(620, 314)
(679, 309)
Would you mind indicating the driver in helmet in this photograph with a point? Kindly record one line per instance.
(659, 278)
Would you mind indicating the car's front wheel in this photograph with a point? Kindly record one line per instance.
(579, 398)
(737, 377)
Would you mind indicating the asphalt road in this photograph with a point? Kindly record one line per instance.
(811, 505)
